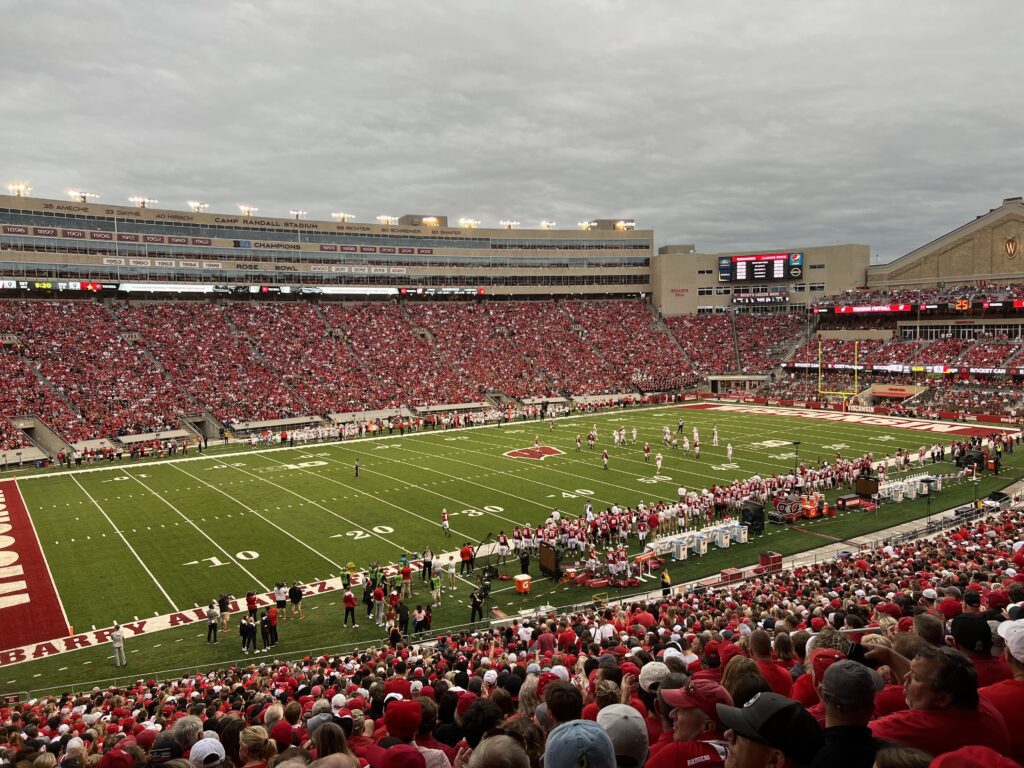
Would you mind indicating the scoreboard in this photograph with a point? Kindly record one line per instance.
(760, 266)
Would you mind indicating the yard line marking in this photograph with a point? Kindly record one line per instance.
(240, 503)
(435, 493)
(329, 511)
(126, 543)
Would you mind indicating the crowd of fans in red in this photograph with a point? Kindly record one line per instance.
(89, 371)
(196, 345)
(911, 654)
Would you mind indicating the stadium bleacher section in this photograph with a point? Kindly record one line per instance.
(195, 344)
(296, 342)
(72, 361)
(707, 340)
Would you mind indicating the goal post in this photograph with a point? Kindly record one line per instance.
(821, 384)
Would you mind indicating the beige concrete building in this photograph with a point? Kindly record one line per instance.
(57, 242)
(986, 249)
(684, 281)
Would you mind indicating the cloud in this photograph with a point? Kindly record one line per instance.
(730, 125)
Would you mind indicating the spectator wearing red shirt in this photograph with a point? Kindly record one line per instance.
(466, 556)
(778, 677)
(567, 639)
(696, 727)
(711, 663)
(644, 618)
(972, 636)
(1007, 695)
(946, 713)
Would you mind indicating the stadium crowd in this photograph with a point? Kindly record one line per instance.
(911, 654)
(70, 362)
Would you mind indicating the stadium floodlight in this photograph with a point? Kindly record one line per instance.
(142, 202)
(82, 197)
(548, 224)
(625, 224)
(198, 206)
(385, 219)
(298, 214)
(343, 217)
(247, 210)
(469, 223)
(509, 224)
(586, 225)
(429, 221)
(19, 188)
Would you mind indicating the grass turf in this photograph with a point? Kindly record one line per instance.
(136, 540)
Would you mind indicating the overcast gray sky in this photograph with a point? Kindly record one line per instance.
(727, 124)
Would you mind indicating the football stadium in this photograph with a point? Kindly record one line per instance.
(330, 490)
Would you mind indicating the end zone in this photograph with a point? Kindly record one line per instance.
(853, 417)
(30, 609)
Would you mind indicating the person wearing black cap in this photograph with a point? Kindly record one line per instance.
(769, 731)
(848, 690)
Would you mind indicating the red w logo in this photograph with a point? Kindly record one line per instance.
(534, 453)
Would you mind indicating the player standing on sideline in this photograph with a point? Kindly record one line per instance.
(647, 453)
(728, 451)
(357, 467)
(604, 458)
(714, 436)
(579, 443)
(503, 547)
(657, 463)
(444, 523)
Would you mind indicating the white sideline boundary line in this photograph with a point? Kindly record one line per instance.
(220, 457)
(127, 544)
(205, 535)
(42, 552)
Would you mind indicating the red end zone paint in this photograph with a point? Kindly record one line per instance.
(866, 419)
(30, 610)
(535, 452)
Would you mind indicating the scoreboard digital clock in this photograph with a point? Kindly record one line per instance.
(760, 266)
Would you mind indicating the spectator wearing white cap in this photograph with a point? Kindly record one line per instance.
(1007, 695)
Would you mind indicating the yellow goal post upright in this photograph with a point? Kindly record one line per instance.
(844, 393)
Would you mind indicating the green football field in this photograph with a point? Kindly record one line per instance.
(130, 541)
